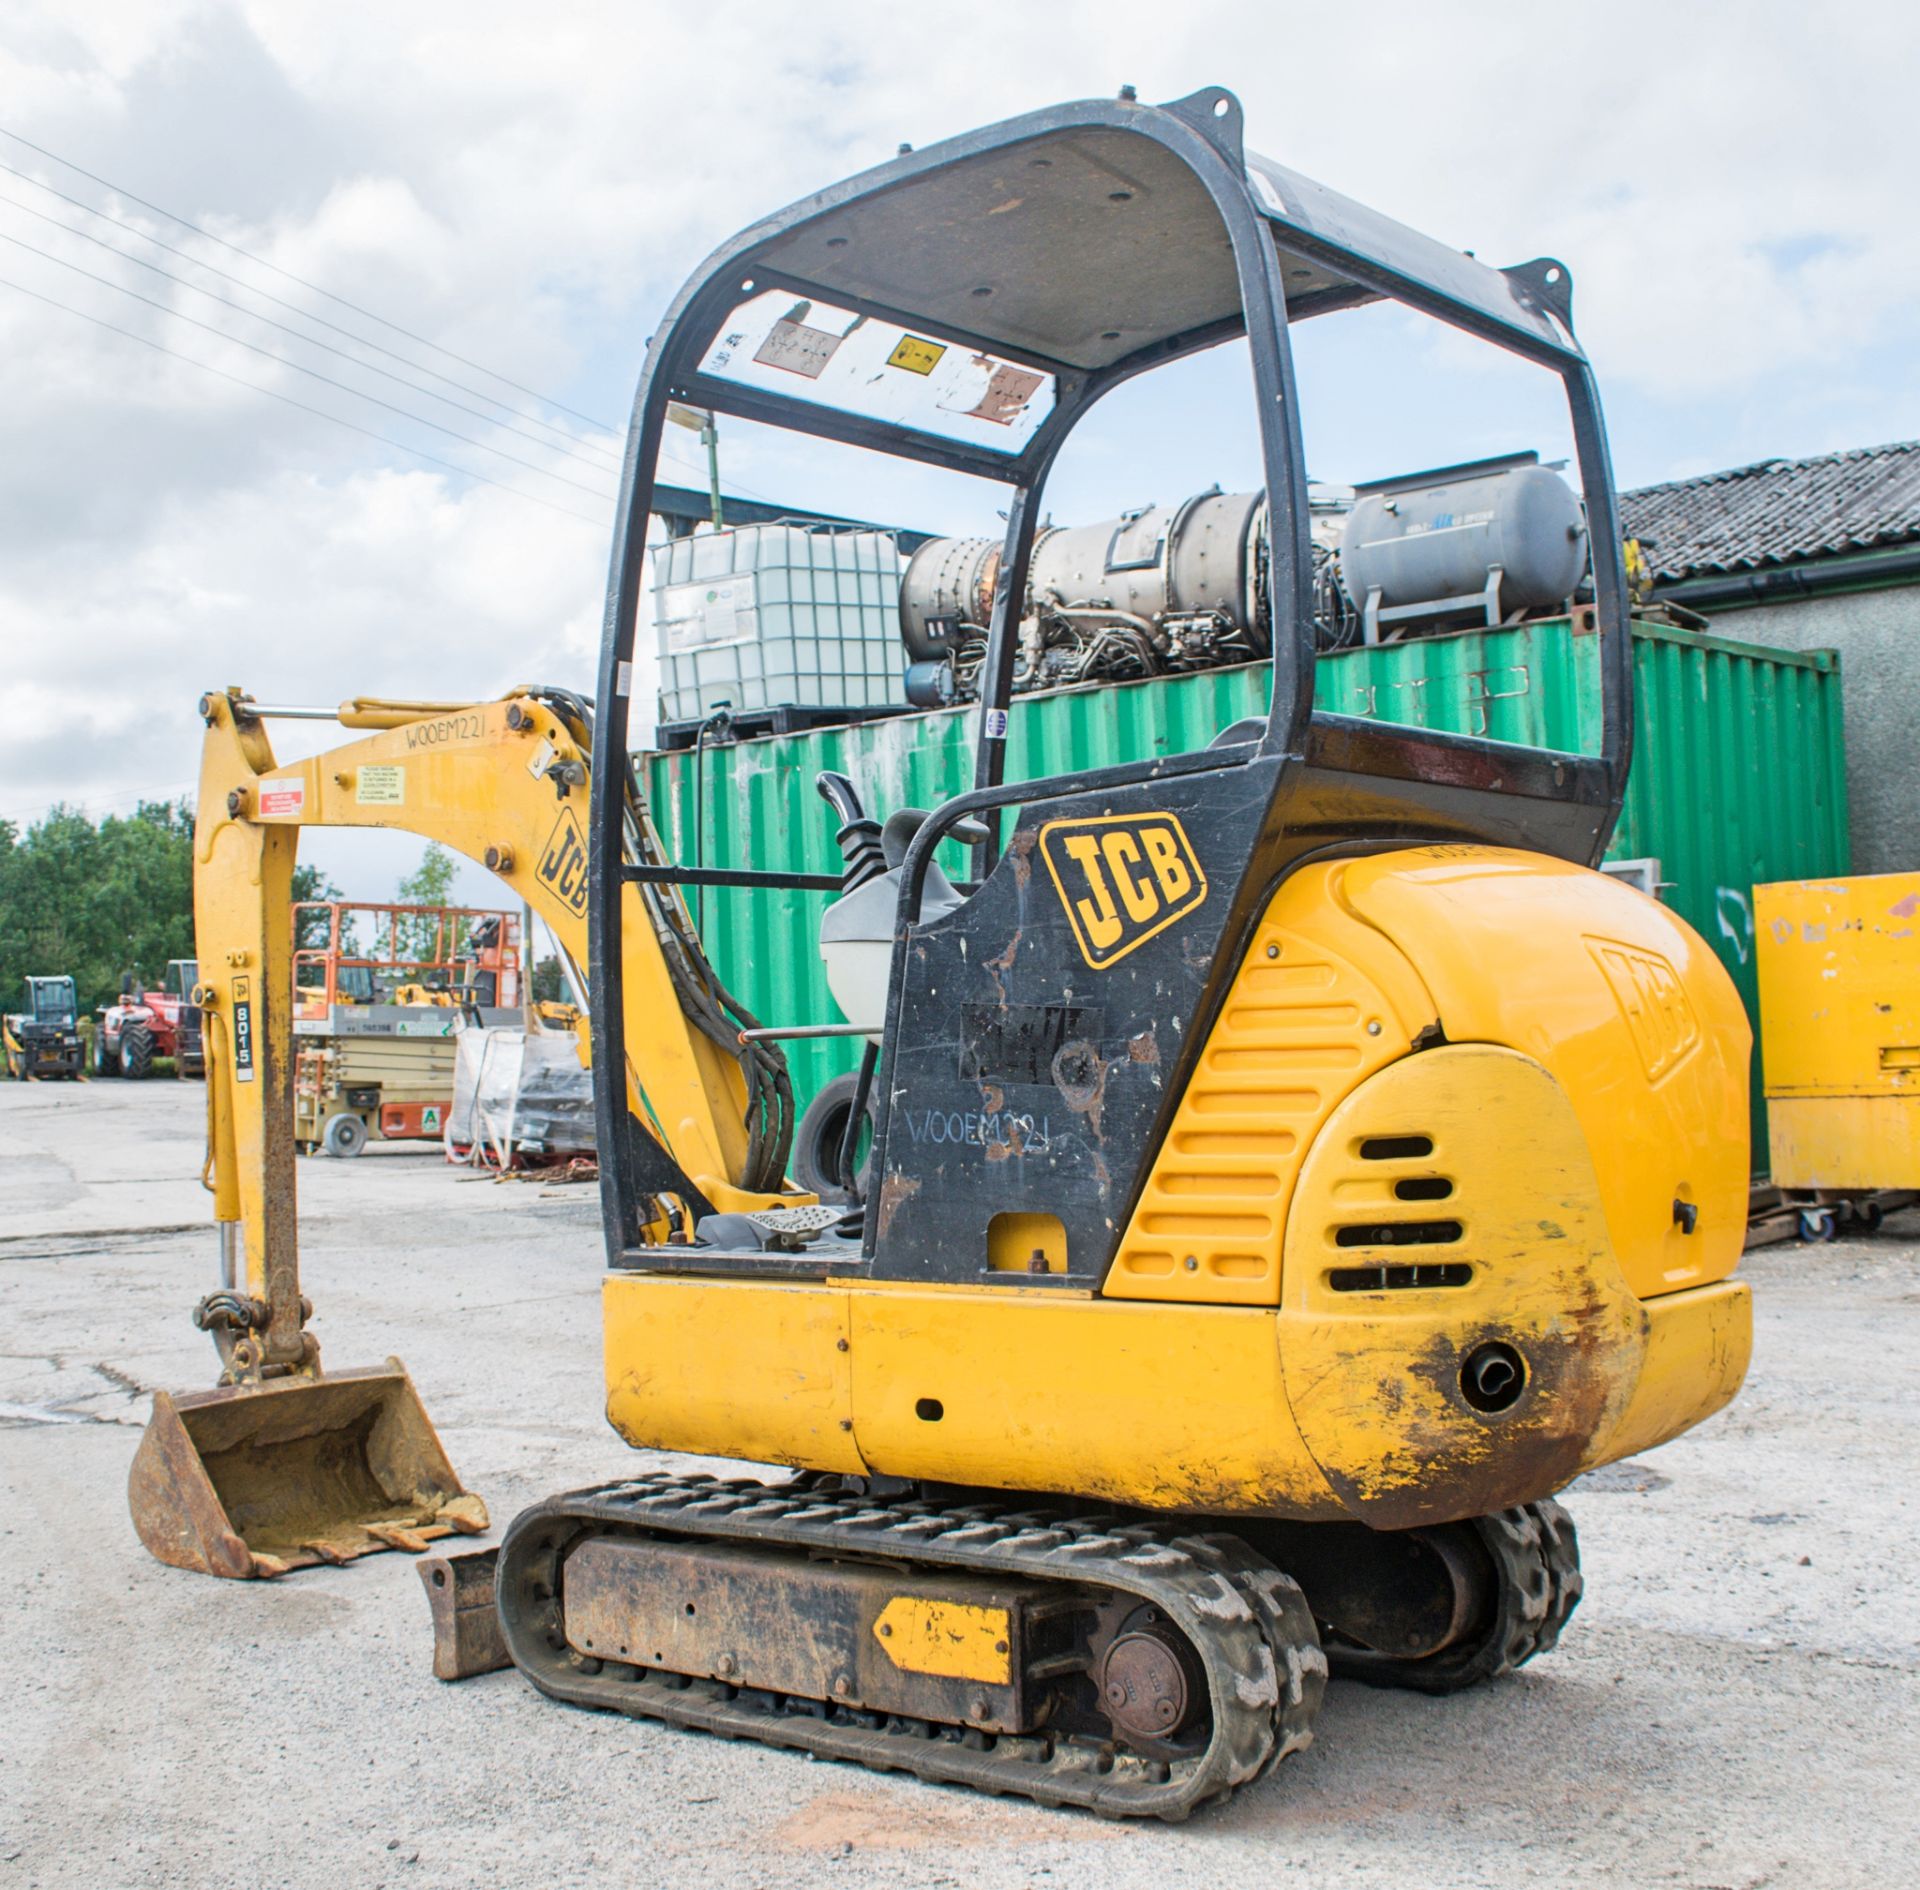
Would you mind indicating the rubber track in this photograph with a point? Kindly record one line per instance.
(1536, 1564)
(1249, 1624)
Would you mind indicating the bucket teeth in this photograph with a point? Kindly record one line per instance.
(255, 1480)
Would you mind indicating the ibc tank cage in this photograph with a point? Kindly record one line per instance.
(965, 306)
(763, 616)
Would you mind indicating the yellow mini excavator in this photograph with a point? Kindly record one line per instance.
(1293, 1162)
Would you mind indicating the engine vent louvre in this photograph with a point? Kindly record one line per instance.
(1395, 1148)
(1398, 1234)
(1399, 1278)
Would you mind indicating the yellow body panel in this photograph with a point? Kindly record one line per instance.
(730, 1369)
(1592, 1078)
(1320, 1002)
(1856, 1143)
(1698, 1345)
(1173, 1407)
(1839, 965)
(1373, 1376)
(958, 1640)
(1622, 1002)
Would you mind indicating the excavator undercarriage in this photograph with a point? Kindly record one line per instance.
(1131, 1664)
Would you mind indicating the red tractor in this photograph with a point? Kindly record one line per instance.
(146, 1024)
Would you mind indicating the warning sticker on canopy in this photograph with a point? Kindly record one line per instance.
(915, 355)
(284, 799)
(1009, 389)
(798, 348)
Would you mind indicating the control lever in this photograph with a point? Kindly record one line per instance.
(858, 837)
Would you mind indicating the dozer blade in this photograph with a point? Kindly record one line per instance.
(258, 1479)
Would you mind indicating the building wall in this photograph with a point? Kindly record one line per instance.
(1878, 636)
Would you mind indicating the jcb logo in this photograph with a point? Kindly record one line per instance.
(1652, 1000)
(1122, 878)
(563, 863)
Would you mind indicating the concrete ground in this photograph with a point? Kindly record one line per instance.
(1734, 1705)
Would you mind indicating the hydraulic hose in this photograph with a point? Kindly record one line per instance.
(719, 1016)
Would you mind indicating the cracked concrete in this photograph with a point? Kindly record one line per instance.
(1736, 1703)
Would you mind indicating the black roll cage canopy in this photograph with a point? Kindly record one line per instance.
(1156, 224)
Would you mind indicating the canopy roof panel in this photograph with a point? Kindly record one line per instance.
(1087, 234)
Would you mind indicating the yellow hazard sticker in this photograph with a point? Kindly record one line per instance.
(953, 1640)
(381, 784)
(915, 355)
(1123, 879)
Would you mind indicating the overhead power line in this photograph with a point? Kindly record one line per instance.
(569, 441)
(311, 341)
(267, 295)
(267, 354)
(279, 301)
(313, 287)
(287, 400)
(87, 803)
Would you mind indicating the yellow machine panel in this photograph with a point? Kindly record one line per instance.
(1509, 1265)
(1436, 1226)
(1839, 965)
(1356, 960)
(1622, 1003)
(1322, 1000)
(1401, 1382)
(760, 1371)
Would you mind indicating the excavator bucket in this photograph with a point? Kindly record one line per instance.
(259, 1479)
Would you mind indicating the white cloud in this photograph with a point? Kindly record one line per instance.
(1729, 186)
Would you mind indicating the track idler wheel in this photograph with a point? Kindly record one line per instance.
(1528, 1564)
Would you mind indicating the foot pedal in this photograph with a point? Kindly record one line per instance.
(793, 1227)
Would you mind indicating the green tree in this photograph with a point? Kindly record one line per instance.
(97, 902)
(107, 900)
(429, 884)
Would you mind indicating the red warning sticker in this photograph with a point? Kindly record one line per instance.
(283, 799)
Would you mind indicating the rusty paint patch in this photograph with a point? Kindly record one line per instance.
(895, 1191)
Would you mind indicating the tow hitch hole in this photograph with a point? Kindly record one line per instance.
(1492, 1377)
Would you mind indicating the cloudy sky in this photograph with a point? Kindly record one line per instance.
(519, 191)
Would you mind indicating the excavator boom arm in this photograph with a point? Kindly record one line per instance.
(503, 783)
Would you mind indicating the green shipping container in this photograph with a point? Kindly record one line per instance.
(1738, 778)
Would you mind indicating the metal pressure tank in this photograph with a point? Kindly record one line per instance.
(1498, 535)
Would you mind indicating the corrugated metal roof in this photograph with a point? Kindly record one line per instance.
(1778, 511)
